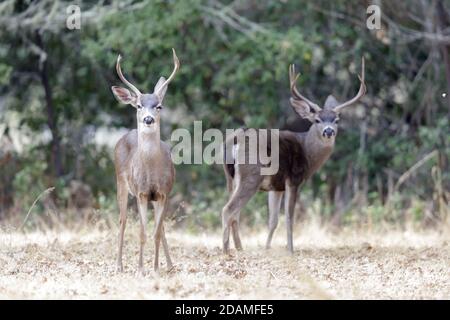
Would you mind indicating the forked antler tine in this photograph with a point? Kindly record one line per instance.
(291, 74)
(293, 79)
(176, 66)
(361, 91)
(119, 72)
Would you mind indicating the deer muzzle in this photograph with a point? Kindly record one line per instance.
(148, 120)
(328, 132)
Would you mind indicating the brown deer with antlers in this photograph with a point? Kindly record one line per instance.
(143, 163)
(301, 154)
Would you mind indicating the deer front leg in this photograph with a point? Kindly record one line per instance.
(122, 199)
(235, 230)
(142, 206)
(166, 250)
(159, 233)
(226, 224)
(157, 206)
(289, 205)
(274, 203)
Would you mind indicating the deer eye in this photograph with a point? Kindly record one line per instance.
(158, 107)
(317, 121)
(336, 121)
(139, 106)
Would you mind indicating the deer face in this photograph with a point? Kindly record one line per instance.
(324, 119)
(148, 105)
(326, 125)
(148, 112)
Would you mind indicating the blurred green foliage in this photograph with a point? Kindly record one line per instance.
(234, 57)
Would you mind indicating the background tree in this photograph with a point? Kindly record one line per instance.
(234, 54)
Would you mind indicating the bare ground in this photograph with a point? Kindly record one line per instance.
(348, 265)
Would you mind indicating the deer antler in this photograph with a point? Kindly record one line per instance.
(119, 72)
(361, 92)
(293, 80)
(176, 66)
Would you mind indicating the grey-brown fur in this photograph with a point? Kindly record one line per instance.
(300, 156)
(143, 164)
(293, 163)
(133, 164)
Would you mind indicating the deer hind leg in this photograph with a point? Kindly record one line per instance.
(289, 205)
(142, 206)
(159, 233)
(230, 181)
(235, 222)
(230, 213)
(235, 232)
(274, 199)
(122, 199)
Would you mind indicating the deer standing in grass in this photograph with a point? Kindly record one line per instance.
(301, 154)
(143, 164)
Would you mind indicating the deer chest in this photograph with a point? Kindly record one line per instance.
(151, 179)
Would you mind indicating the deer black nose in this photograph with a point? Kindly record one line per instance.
(148, 120)
(328, 132)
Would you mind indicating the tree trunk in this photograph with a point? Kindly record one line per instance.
(51, 115)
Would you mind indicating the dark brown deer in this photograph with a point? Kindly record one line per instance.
(143, 163)
(301, 154)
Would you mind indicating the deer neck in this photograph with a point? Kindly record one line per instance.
(149, 143)
(317, 150)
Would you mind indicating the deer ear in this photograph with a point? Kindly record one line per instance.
(124, 95)
(331, 102)
(302, 109)
(158, 87)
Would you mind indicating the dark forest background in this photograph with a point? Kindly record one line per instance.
(59, 119)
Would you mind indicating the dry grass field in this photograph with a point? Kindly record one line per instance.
(67, 264)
